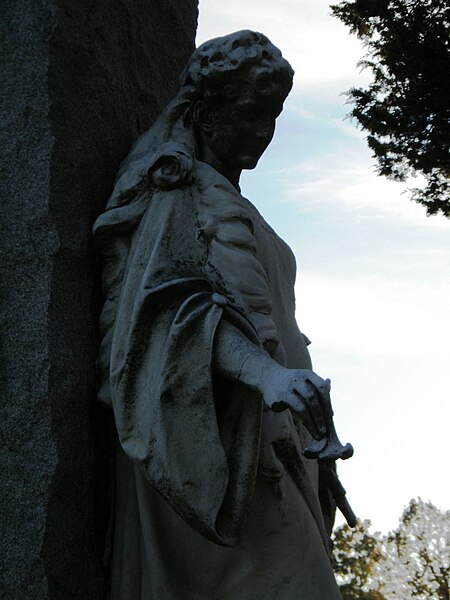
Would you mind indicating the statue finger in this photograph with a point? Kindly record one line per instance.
(323, 391)
(308, 419)
(313, 405)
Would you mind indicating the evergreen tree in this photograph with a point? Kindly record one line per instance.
(406, 108)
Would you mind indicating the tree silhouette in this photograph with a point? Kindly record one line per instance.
(406, 108)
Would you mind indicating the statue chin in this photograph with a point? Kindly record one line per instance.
(249, 162)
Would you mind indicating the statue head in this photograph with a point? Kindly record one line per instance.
(236, 85)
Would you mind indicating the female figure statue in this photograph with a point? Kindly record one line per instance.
(202, 361)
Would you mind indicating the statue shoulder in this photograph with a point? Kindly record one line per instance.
(165, 167)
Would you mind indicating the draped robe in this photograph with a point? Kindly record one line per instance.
(214, 500)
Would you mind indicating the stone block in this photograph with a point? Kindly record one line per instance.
(80, 81)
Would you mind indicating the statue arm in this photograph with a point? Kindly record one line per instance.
(238, 359)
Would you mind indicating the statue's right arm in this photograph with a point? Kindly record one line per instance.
(238, 359)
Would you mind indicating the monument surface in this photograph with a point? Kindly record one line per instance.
(207, 373)
(80, 81)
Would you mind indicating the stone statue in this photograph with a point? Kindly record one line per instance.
(202, 361)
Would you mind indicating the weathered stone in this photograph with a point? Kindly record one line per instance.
(80, 80)
(202, 360)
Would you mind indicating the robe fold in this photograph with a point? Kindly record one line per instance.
(206, 509)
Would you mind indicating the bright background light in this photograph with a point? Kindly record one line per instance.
(373, 290)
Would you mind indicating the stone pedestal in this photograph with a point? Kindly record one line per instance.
(80, 81)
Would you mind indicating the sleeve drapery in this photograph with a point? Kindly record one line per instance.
(161, 378)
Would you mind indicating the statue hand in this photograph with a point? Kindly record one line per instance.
(300, 390)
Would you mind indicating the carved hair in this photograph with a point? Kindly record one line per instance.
(220, 64)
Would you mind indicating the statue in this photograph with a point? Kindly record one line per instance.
(210, 380)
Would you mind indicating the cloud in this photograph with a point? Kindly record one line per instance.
(376, 309)
(337, 179)
(315, 43)
(384, 344)
(342, 184)
(375, 315)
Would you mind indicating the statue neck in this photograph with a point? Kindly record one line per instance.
(205, 153)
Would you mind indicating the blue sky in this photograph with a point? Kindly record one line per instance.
(373, 290)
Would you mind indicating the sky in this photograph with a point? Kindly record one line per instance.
(373, 286)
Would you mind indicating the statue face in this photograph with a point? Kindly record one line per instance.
(239, 130)
(246, 130)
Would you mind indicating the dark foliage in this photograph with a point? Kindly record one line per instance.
(406, 108)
